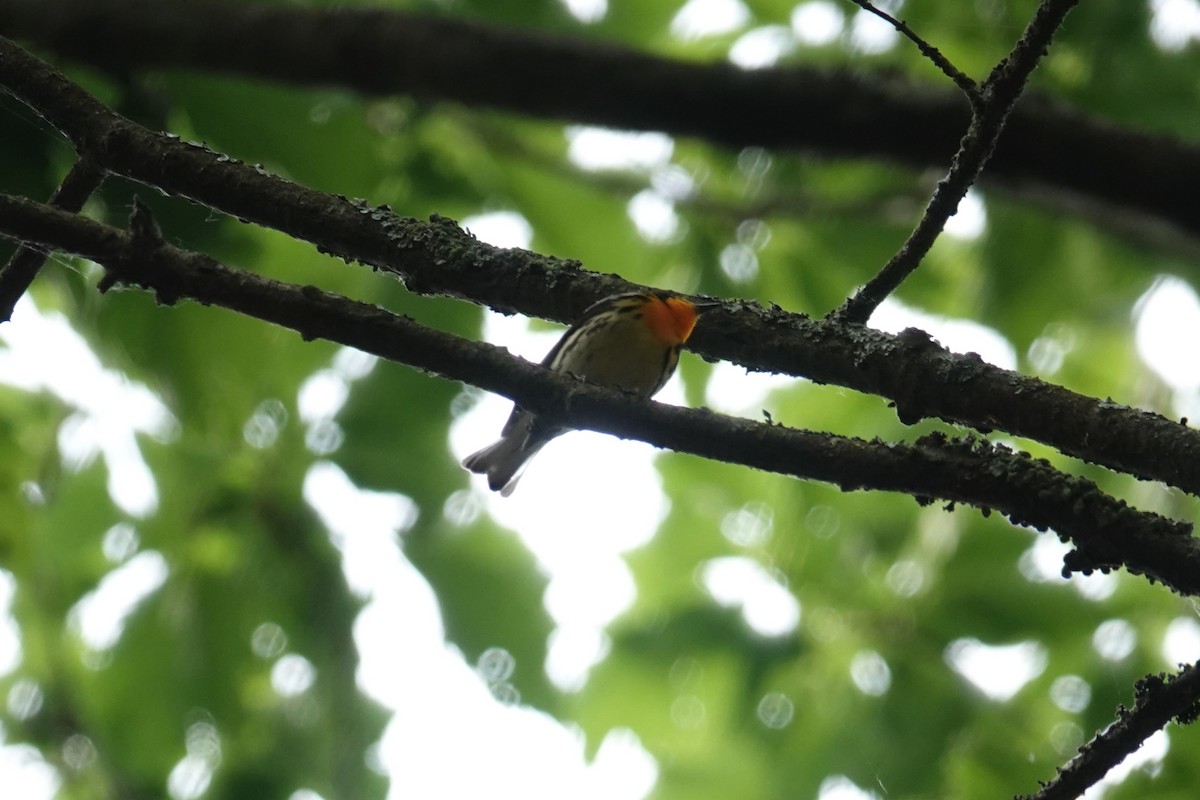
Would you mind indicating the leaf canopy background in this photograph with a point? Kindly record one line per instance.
(861, 687)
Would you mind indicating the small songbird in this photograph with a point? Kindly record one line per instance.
(627, 341)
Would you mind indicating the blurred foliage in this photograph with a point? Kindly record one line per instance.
(253, 574)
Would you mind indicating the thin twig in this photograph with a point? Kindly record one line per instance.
(1000, 92)
(960, 78)
(1158, 700)
(17, 275)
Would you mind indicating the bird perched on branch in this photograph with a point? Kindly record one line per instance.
(627, 341)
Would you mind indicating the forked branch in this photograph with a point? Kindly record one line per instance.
(998, 96)
(16, 276)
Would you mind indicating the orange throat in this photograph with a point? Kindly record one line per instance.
(671, 319)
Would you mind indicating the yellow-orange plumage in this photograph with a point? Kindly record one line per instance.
(627, 341)
(671, 319)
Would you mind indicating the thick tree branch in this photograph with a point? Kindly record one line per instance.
(921, 377)
(1158, 700)
(996, 99)
(1105, 531)
(376, 51)
(15, 276)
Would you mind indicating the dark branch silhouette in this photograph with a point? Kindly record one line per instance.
(996, 99)
(1047, 148)
(1105, 531)
(15, 276)
(922, 378)
(1158, 699)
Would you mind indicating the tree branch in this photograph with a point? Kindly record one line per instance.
(964, 82)
(377, 51)
(1158, 700)
(16, 276)
(996, 99)
(921, 377)
(1105, 531)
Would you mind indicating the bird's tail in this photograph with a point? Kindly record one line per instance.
(504, 460)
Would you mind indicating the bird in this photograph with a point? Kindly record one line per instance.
(626, 341)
